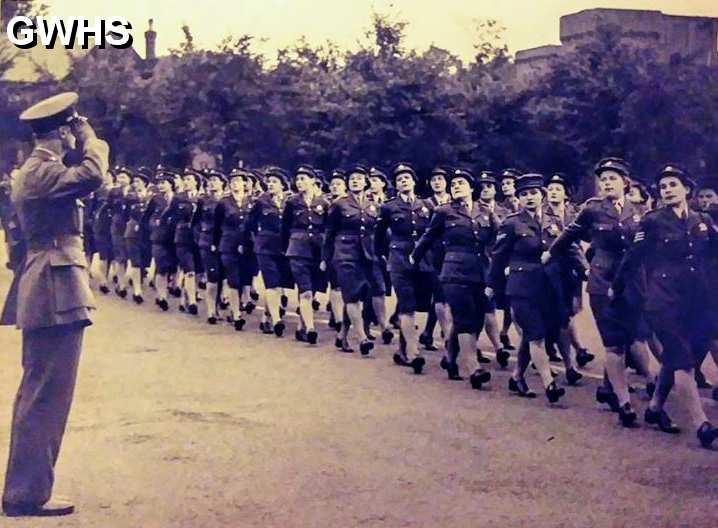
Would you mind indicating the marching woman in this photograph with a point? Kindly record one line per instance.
(677, 247)
(161, 220)
(403, 220)
(231, 220)
(101, 226)
(337, 190)
(265, 224)
(535, 301)
(349, 246)
(188, 258)
(137, 242)
(208, 241)
(303, 222)
(608, 223)
(467, 228)
(117, 203)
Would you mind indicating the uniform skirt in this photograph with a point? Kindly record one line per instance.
(211, 264)
(414, 290)
(138, 252)
(239, 270)
(537, 318)
(275, 271)
(165, 258)
(468, 303)
(307, 275)
(103, 245)
(616, 320)
(187, 258)
(685, 337)
(119, 248)
(359, 279)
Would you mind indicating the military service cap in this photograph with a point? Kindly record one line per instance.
(510, 174)
(671, 169)
(487, 178)
(403, 168)
(52, 113)
(618, 165)
(529, 181)
(462, 173)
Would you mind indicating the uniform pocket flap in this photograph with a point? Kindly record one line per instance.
(68, 255)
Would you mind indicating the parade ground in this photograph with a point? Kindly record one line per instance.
(180, 424)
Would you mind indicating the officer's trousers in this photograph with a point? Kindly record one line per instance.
(50, 358)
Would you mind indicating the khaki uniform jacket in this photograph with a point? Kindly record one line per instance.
(51, 287)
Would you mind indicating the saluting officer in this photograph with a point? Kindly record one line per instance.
(677, 247)
(137, 241)
(534, 299)
(50, 299)
(303, 221)
(467, 228)
(349, 246)
(403, 220)
(608, 223)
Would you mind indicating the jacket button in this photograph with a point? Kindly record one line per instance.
(666, 241)
(693, 269)
(663, 275)
(690, 244)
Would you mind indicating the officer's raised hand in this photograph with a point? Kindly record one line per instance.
(82, 129)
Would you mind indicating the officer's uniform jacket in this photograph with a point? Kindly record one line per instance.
(350, 230)
(510, 203)
(11, 227)
(136, 209)
(401, 225)
(161, 220)
(465, 236)
(102, 216)
(232, 220)
(677, 255)
(117, 203)
(207, 230)
(303, 227)
(265, 224)
(609, 233)
(187, 207)
(51, 286)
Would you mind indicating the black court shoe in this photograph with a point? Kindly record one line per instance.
(212, 320)
(554, 393)
(249, 307)
(315, 305)
(553, 356)
(312, 337)
(481, 358)
(417, 364)
(506, 342)
(607, 396)
(365, 347)
(266, 327)
(400, 359)
(223, 304)
(202, 285)
(181, 308)
(706, 434)
(387, 336)
(573, 376)
(175, 292)
(627, 416)
(104, 289)
(584, 357)
(279, 328)
(284, 301)
(394, 321)
(344, 347)
(479, 377)
(662, 420)
(52, 508)
(650, 389)
(452, 370)
(121, 292)
(239, 324)
(163, 304)
(521, 388)
(502, 357)
(254, 296)
(427, 342)
(337, 342)
(300, 335)
(192, 309)
(138, 299)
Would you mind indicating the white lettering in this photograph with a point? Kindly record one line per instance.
(23, 36)
(50, 29)
(119, 35)
(96, 31)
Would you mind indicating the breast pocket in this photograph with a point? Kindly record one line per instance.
(70, 286)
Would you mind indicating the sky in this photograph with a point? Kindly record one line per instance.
(449, 24)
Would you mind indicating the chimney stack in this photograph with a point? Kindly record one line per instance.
(150, 41)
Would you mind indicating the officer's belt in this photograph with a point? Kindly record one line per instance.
(461, 249)
(54, 242)
(305, 231)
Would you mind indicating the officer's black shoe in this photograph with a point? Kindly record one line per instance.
(312, 337)
(706, 433)
(282, 312)
(192, 309)
(279, 328)
(249, 307)
(452, 370)
(394, 321)
(266, 327)
(400, 359)
(212, 320)
(332, 321)
(175, 292)
(481, 359)
(202, 285)
(365, 347)
(650, 389)
(715, 394)
(121, 292)
(239, 325)
(553, 356)
(573, 376)
(254, 296)
(502, 357)
(345, 346)
(479, 377)
(604, 395)
(521, 388)
(627, 416)
(631, 389)
(52, 508)
(701, 380)
(138, 299)
(315, 305)
(181, 308)
(584, 357)
(506, 342)
(418, 365)
(387, 336)
(223, 304)
(163, 304)
(428, 342)
(369, 335)
(300, 335)
(104, 289)
(115, 279)
(662, 420)
(284, 301)
(554, 393)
